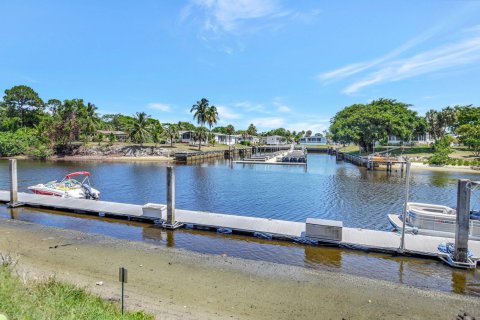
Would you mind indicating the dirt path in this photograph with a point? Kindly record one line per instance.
(176, 284)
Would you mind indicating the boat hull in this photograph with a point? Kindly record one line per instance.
(397, 223)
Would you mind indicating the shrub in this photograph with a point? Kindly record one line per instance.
(14, 144)
(245, 143)
(442, 150)
(41, 152)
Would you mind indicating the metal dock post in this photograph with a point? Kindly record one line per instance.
(171, 223)
(13, 184)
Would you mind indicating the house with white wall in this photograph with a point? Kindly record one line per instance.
(220, 138)
(275, 140)
(248, 138)
(315, 140)
(417, 139)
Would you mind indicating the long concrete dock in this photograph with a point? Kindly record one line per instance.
(355, 238)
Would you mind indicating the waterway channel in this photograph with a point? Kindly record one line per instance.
(325, 189)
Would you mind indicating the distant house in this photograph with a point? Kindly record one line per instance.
(120, 136)
(187, 137)
(225, 139)
(418, 139)
(275, 140)
(248, 138)
(313, 140)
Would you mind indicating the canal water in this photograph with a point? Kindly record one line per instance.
(325, 189)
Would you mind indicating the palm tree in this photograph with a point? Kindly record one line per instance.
(201, 111)
(91, 119)
(157, 131)
(211, 116)
(200, 134)
(252, 130)
(171, 131)
(230, 130)
(140, 128)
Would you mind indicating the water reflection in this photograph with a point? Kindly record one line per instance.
(416, 272)
(326, 189)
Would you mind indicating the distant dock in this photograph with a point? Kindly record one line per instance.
(279, 157)
(353, 238)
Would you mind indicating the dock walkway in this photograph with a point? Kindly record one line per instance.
(355, 238)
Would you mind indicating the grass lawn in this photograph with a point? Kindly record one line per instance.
(51, 299)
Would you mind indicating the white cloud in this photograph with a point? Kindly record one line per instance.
(447, 56)
(284, 109)
(269, 122)
(355, 68)
(159, 106)
(227, 15)
(225, 113)
(248, 106)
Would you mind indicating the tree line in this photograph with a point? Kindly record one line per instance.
(366, 124)
(30, 125)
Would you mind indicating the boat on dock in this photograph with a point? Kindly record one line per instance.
(68, 187)
(433, 220)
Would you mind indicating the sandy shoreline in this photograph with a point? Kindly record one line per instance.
(178, 284)
(422, 166)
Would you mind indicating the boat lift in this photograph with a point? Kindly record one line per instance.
(458, 256)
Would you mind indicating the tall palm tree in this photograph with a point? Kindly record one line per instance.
(252, 130)
(157, 131)
(201, 111)
(230, 130)
(211, 116)
(172, 131)
(200, 134)
(140, 130)
(90, 119)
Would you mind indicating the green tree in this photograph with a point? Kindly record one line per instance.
(66, 125)
(467, 115)
(221, 130)
(200, 134)
(442, 150)
(172, 132)
(366, 124)
(140, 129)
(469, 135)
(90, 119)
(23, 102)
(211, 116)
(185, 126)
(157, 131)
(438, 122)
(201, 110)
(230, 131)
(308, 133)
(252, 130)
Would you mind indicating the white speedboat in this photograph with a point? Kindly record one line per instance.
(433, 220)
(68, 187)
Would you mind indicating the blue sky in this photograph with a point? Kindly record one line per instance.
(273, 63)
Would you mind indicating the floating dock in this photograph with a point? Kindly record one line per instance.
(354, 238)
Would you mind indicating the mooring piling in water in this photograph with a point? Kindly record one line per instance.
(463, 221)
(171, 223)
(13, 184)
